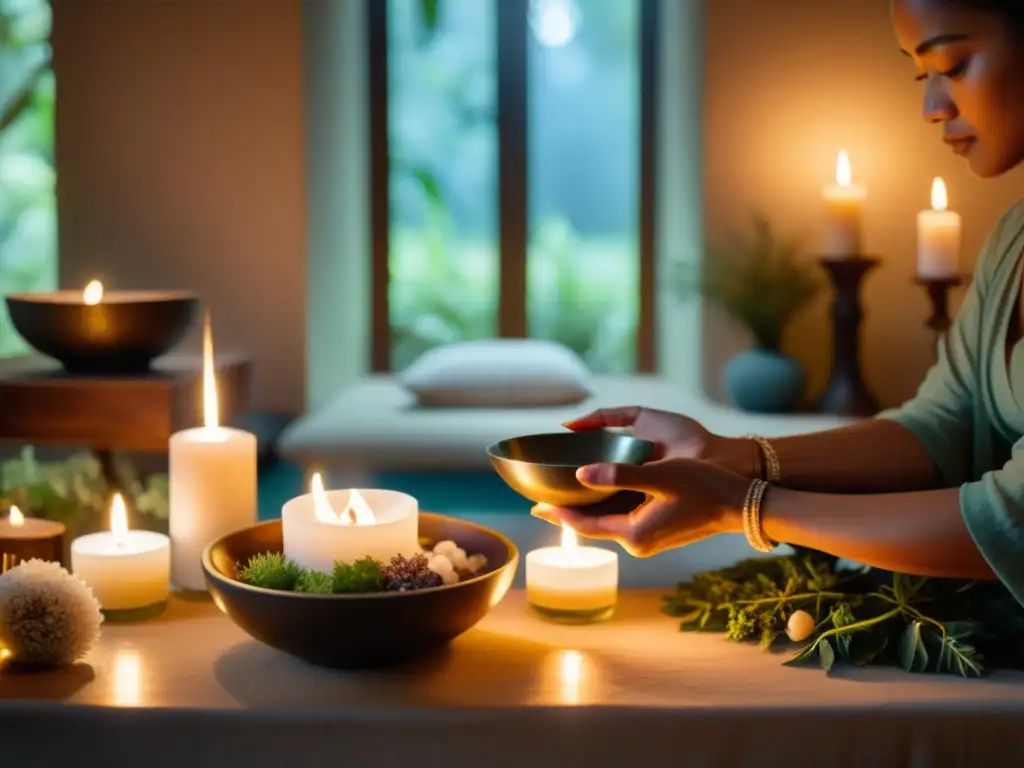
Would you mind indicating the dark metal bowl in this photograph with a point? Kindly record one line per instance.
(122, 334)
(543, 467)
(360, 631)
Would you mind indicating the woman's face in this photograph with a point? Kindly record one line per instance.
(972, 67)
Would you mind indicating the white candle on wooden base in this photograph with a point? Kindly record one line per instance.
(212, 479)
(938, 238)
(844, 213)
(570, 582)
(127, 570)
(373, 523)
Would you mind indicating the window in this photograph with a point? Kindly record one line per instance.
(512, 175)
(28, 232)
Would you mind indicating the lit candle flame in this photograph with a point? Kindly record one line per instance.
(939, 197)
(357, 512)
(118, 520)
(844, 173)
(93, 293)
(211, 413)
(15, 517)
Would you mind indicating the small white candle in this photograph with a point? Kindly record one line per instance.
(127, 570)
(844, 212)
(23, 538)
(373, 523)
(571, 579)
(213, 482)
(938, 237)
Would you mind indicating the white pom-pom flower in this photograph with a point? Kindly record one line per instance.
(48, 618)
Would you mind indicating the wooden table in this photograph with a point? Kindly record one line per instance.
(191, 689)
(40, 404)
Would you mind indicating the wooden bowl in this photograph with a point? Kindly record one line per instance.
(121, 335)
(543, 467)
(360, 631)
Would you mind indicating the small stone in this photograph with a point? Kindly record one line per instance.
(445, 548)
(800, 626)
(458, 558)
(441, 565)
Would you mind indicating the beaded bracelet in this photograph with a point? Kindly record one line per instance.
(752, 517)
(769, 459)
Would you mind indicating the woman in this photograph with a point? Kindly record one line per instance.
(935, 487)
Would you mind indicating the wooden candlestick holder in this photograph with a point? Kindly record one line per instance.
(846, 393)
(938, 289)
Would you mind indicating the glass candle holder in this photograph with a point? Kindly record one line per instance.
(571, 584)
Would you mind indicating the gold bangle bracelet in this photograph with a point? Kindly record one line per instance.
(752, 528)
(769, 459)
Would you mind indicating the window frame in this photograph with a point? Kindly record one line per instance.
(513, 180)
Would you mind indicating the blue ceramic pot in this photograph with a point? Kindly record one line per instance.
(764, 381)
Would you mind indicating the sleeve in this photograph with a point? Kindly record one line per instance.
(941, 413)
(993, 510)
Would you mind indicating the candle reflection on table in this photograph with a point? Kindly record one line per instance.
(571, 668)
(127, 678)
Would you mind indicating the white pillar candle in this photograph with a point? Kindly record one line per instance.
(373, 523)
(127, 570)
(213, 482)
(570, 580)
(844, 213)
(938, 238)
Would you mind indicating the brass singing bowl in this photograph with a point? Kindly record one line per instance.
(360, 631)
(121, 335)
(543, 467)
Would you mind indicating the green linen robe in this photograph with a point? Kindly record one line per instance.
(969, 412)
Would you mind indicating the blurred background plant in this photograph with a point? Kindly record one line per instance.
(759, 279)
(28, 211)
(74, 491)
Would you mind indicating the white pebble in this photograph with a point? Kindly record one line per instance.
(458, 558)
(445, 548)
(441, 565)
(476, 563)
(800, 626)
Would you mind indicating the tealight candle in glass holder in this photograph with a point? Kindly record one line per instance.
(572, 584)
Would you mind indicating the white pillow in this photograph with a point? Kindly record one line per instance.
(498, 373)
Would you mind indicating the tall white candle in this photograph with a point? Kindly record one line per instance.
(213, 482)
(844, 213)
(572, 581)
(127, 570)
(938, 237)
(373, 523)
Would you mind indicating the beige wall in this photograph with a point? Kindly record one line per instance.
(788, 85)
(181, 139)
(180, 149)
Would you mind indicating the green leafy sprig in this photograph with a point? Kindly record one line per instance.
(861, 616)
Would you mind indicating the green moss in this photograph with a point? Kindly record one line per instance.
(270, 570)
(359, 577)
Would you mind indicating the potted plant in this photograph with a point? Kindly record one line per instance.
(761, 281)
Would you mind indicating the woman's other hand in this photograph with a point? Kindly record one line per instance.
(676, 437)
(671, 502)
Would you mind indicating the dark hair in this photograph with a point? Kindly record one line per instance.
(1012, 11)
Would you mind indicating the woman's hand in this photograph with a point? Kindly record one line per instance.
(683, 500)
(676, 437)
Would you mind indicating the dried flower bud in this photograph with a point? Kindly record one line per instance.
(800, 626)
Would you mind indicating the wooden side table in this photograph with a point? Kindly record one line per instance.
(43, 405)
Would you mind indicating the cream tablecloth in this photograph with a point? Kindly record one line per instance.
(190, 689)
